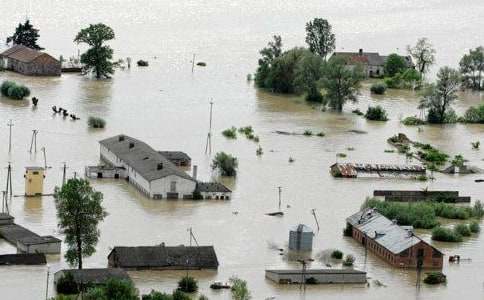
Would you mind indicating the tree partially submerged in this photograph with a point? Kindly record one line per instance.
(394, 64)
(240, 290)
(319, 37)
(423, 54)
(225, 163)
(79, 212)
(25, 34)
(98, 58)
(471, 67)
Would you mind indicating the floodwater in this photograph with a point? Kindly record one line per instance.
(167, 106)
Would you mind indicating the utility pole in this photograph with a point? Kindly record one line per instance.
(313, 211)
(304, 263)
(33, 141)
(193, 62)
(8, 188)
(208, 145)
(45, 158)
(10, 124)
(280, 191)
(64, 168)
(47, 284)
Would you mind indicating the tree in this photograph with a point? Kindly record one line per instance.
(307, 75)
(424, 55)
(438, 98)
(98, 57)
(319, 37)
(394, 64)
(239, 289)
(114, 289)
(188, 284)
(340, 82)
(472, 67)
(269, 53)
(25, 34)
(79, 211)
(225, 163)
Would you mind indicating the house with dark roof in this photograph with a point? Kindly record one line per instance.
(162, 257)
(28, 61)
(373, 63)
(148, 170)
(395, 244)
(92, 276)
(213, 190)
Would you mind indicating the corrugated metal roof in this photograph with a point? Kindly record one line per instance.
(383, 231)
(142, 158)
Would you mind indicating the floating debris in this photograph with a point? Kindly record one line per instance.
(201, 64)
(357, 131)
(142, 63)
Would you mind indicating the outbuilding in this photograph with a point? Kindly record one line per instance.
(316, 276)
(213, 190)
(24, 60)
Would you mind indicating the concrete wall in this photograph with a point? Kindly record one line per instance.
(162, 186)
(216, 195)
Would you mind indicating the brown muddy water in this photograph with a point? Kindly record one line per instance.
(167, 106)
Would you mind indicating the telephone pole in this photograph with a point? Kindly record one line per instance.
(279, 188)
(193, 62)
(10, 124)
(45, 158)
(33, 141)
(64, 168)
(208, 145)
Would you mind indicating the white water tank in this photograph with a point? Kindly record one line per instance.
(301, 238)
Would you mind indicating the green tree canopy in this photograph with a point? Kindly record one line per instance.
(394, 64)
(114, 289)
(25, 34)
(225, 163)
(438, 98)
(98, 57)
(268, 54)
(79, 212)
(239, 289)
(319, 37)
(341, 83)
(471, 67)
(423, 54)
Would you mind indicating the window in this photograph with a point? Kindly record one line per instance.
(36, 173)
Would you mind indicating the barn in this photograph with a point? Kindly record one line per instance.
(28, 61)
(395, 244)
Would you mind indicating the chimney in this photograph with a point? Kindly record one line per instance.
(121, 138)
(159, 166)
(195, 171)
(361, 52)
(131, 145)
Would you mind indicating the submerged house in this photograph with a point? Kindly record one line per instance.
(24, 60)
(372, 62)
(395, 244)
(213, 190)
(92, 276)
(148, 170)
(162, 257)
(318, 276)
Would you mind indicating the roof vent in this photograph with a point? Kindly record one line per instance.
(121, 138)
(131, 145)
(159, 166)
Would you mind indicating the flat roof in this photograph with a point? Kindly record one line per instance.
(316, 271)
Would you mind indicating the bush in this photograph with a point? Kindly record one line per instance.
(445, 235)
(435, 278)
(66, 285)
(337, 254)
(413, 121)
(188, 285)
(247, 130)
(155, 295)
(225, 163)
(230, 133)
(462, 229)
(179, 295)
(321, 134)
(307, 132)
(474, 114)
(378, 88)
(376, 113)
(311, 280)
(14, 91)
(349, 260)
(478, 210)
(474, 227)
(96, 122)
(142, 63)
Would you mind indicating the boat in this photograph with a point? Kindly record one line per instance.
(218, 285)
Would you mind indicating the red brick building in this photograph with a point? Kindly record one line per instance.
(28, 61)
(395, 244)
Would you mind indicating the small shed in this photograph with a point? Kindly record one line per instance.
(213, 190)
(34, 181)
(92, 276)
(301, 238)
(24, 60)
(319, 276)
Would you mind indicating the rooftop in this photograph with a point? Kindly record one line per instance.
(141, 157)
(95, 276)
(212, 187)
(175, 155)
(22, 53)
(316, 271)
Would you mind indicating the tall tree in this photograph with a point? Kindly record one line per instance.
(341, 82)
(439, 97)
(472, 67)
(269, 53)
(79, 211)
(25, 34)
(424, 55)
(394, 64)
(307, 75)
(98, 57)
(319, 37)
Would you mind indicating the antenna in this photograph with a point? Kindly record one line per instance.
(33, 141)
(208, 145)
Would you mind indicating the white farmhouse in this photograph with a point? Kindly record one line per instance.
(148, 170)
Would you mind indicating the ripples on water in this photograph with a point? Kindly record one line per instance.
(167, 106)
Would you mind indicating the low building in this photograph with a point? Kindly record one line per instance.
(28, 61)
(178, 158)
(162, 257)
(92, 276)
(395, 244)
(148, 170)
(373, 63)
(319, 276)
(213, 190)
(301, 238)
